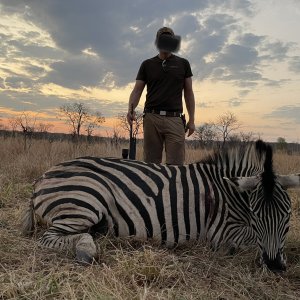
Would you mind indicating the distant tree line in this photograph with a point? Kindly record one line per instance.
(226, 128)
(83, 123)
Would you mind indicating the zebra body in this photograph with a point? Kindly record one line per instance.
(168, 204)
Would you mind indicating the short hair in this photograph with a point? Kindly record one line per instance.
(164, 30)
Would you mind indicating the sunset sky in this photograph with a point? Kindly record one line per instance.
(245, 57)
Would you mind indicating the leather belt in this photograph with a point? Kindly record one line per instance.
(163, 113)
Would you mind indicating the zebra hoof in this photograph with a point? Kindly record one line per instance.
(83, 258)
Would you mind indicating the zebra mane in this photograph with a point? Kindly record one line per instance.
(249, 159)
(268, 176)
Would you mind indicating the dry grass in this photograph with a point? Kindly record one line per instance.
(126, 270)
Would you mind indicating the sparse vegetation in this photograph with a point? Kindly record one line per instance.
(137, 124)
(226, 125)
(78, 115)
(223, 130)
(126, 270)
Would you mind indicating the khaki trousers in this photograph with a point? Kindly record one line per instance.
(160, 131)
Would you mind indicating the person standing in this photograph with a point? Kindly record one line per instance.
(166, 76)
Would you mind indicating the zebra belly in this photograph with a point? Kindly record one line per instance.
(68, 216)
(157, 206)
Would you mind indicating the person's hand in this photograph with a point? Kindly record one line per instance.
(131, 117)
(190, 127)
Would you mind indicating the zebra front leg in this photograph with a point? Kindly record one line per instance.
(85, 249)
(80, 243)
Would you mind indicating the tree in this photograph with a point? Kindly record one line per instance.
(13, 123)
(226, 125)
(234, 138)
(94, 122)
(137, 124)
(282, 144)
(281, 140)
(247, 136)
(116, 136)
(77, 115)
(44, 127)
(206, 133)
(26, 122)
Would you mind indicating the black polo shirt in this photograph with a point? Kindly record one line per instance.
(164, 85)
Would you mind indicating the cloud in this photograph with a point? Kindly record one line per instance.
(235, 56)
(76, 71)
(2, 86)
(18, 82)
(250, 40)
(122, 38)
(205, 105)
(237, 63)
(290, 112)
(242, 63)
(36, 51)
(275, 83)
(120, 35)
(275, 51)
(50, 104)
(235, 102)
(185, 24)
(294, 64)
(244, 93)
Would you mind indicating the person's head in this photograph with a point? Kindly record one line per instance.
(166, 41)
(164, 30)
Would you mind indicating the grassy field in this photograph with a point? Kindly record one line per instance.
(126, 270)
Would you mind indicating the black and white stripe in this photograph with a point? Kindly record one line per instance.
(169, 204)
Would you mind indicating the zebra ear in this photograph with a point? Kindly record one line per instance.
(243, 183)
(289, 181)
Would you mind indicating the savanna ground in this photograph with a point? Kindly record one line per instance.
(126, 270)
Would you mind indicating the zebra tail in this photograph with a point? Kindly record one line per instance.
(27, 221)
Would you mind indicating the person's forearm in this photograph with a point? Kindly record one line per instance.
(190, 104)
(134, 99)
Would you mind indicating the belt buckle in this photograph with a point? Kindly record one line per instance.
(163, 113)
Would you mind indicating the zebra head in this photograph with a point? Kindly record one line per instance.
(270, 209)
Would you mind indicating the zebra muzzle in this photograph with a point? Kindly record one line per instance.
(276, 265)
